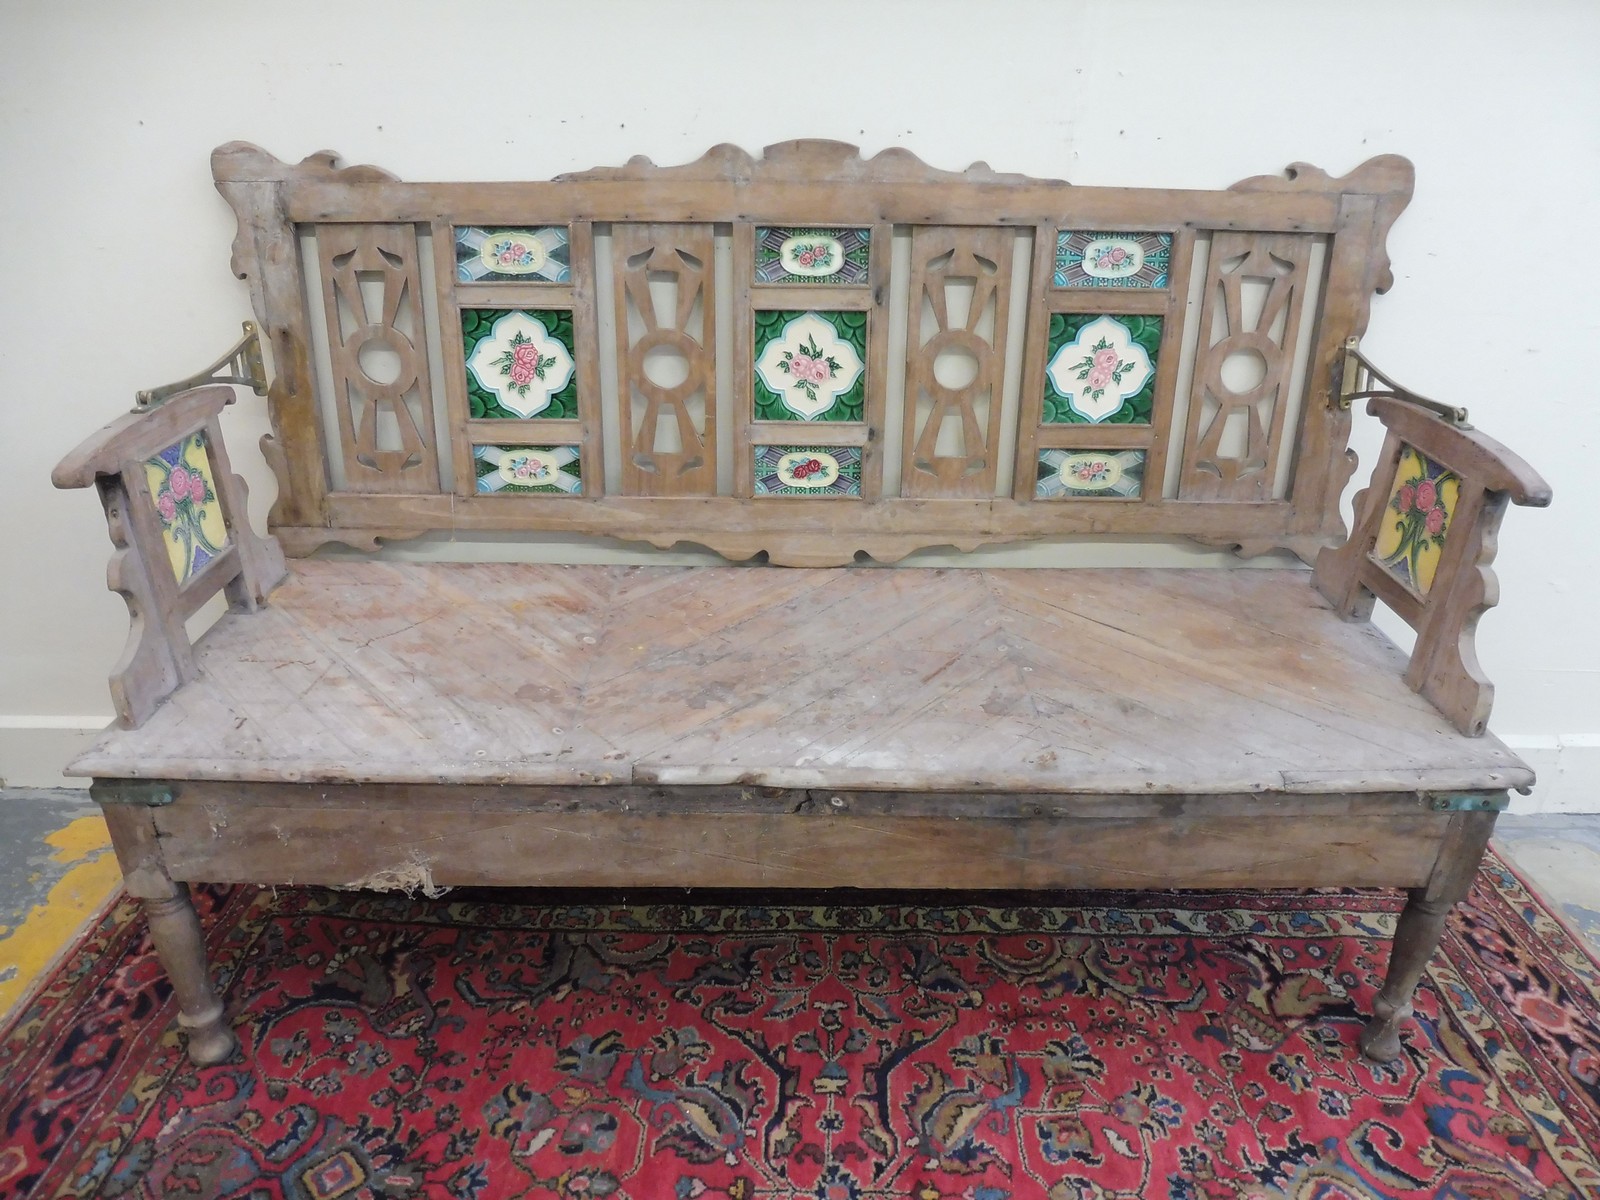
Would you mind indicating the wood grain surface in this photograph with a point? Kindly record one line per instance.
(1106, 681)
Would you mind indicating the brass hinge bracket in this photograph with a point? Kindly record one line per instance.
(1354, 377)
(1470, 801)
(242, 363)
(133, 791)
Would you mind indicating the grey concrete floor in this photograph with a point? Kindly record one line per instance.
(1559, 853)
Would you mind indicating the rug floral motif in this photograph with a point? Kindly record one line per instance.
(1189, 1045)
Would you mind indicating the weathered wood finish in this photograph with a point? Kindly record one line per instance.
(280, 834)
(975, 213)
(1444, 662)
(1090, 681)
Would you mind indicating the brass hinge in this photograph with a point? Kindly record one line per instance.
(1470, 801)
(242, 361)
(133, 791)
(1353, 380)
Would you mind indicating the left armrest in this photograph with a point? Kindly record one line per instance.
(177, 517)
(1423, 542)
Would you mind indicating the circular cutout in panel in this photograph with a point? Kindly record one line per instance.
(379, 362)
(1243, 371)
(665, 366)
(955, 367)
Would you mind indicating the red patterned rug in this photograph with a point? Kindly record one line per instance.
(1157, 1045)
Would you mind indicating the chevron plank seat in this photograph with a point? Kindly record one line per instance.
(702, 355)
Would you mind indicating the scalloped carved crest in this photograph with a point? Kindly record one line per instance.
(804, 160)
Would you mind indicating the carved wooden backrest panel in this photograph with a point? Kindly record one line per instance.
(1259, 339)
(808, 354)
(666, 306)
(372, 302)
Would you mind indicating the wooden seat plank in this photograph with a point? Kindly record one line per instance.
(1148, 681)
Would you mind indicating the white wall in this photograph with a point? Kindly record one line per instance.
(114, 258)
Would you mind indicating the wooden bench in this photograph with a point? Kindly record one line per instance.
(829, 363)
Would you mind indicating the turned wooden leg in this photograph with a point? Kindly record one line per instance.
(174, 925)
(1416, 937)
(175, 929)
(1421, 924)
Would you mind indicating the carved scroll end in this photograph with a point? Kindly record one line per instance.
(1389, 175)
(245, 162)
(278, 463)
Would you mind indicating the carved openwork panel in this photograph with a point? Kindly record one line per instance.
(666, 358)
(373, 305)
(1249, 328)
(830, 448)
(955, 361)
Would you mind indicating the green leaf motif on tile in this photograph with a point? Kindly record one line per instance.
(851, 327)
(478, 323)
(1144, 331)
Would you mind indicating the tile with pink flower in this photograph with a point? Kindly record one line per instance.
(520, 364)
(1412, 535)
(1100, 368)
(810, 366)
(185, 496)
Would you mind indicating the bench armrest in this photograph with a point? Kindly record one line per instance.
(178, 520)
(1423, 542)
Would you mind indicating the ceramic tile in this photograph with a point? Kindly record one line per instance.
(513, 469)
(832, 256)
(1412, 533)
(185, 495)
(1090, 474)
(502, 254)
(1101, 368)
(810, 366)
(808, 470)
(520, 363)
(1087, 259)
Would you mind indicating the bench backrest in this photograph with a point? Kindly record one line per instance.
(809, 354)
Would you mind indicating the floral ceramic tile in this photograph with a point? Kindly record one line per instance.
(1092, 474)
(185, 495)
(513, 469)
(810, 366)
(1412, 532)
(835, 256)
(520, 363)
(808, 470)
(1100, 369)
(1112, 260)
(539, 255)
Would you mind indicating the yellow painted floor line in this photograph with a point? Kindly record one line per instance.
(84, 847)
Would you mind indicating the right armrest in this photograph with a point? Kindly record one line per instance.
(1423, 541)
(177, 517)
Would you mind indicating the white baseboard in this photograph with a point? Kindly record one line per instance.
(34, 749)
(1568, 766)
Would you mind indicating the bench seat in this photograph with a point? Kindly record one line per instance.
(992, 680)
